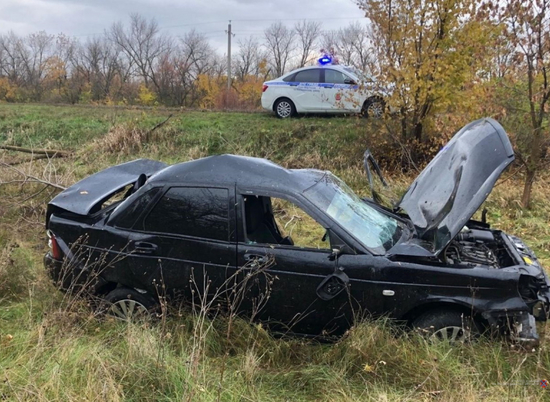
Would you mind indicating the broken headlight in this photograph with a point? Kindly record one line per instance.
(528, 288)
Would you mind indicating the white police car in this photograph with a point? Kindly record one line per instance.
(325, 88)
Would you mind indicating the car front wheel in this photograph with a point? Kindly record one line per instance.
(446, 325)
(284, 108)
(128, 305)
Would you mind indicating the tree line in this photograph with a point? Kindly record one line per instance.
(444, 63)
(135, 63)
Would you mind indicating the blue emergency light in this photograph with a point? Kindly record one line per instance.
(325, 60)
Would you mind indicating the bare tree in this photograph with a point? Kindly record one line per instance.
(308, 33)
(99, 60)
(178, 71)
(279, 43)
(351, 45)
(344, 45)
(197, 52)
(196, 57)
(360, 44)
(10, 65)
(248, 58)
(143, 45)
(329, 41)
(33, 52)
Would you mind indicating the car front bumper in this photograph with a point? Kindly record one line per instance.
(518, 326)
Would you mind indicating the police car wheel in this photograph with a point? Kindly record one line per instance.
(373, 108)
(284, 108)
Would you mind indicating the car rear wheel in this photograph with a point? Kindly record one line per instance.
(373, 107)
(128, 305)
(284, 108)
(446, 325)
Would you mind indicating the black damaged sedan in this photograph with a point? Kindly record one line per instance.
(200, 227)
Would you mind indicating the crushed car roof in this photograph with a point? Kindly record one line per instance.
(83, 197)
(241, 170)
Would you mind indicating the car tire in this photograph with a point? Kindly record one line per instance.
(373, 108)
(128, 305)
(452, 326)
(284, 108)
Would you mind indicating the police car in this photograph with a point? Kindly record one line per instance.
(325, 88)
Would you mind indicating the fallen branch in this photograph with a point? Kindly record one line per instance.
(32, 159)
(50, 153)
(31, 178)
(162, 123)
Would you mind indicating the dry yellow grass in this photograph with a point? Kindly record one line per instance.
(52, 349)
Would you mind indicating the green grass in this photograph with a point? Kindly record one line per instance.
(53, 349)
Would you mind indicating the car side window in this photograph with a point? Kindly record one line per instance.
(276, 221)
(335, 77)
(132, 212)
(191, 211)
(290, 78)
(311, 75)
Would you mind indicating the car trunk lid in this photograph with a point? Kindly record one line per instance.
(83, 196)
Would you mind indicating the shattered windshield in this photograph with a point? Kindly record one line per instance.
(373, 229)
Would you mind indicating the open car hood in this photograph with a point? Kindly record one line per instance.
(457, 181)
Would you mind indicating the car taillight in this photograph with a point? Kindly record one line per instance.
(264, 88)
(54, 246)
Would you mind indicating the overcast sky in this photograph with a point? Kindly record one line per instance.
(85, 18)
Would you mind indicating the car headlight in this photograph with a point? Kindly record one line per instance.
(528, 288)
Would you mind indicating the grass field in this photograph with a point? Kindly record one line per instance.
(52, 348)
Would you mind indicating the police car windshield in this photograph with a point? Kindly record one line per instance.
(376, 231)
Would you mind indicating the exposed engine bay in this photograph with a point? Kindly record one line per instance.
(473, 247)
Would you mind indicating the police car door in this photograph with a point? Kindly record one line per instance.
(342, 91)
(307, 90)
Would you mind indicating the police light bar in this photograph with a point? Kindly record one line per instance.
(324, 60)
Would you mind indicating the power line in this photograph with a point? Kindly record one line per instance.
(301, 19)
(192, 24)
(241, 20)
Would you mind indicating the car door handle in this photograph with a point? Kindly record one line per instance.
(143, 247)
(255, 257)
(293, 84)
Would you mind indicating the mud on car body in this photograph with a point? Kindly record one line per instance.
(425, 262)
(325, 88)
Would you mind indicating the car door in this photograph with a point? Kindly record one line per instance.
(285, 295)
(305, 89)
(342, 91)
(183, 244)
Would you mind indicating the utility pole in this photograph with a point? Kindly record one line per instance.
(229, 56)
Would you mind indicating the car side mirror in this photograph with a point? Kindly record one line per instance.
(349, 81)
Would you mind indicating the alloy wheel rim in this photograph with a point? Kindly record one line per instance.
(128, 310)
(375, 109)
(451, 334)
(284, 109)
